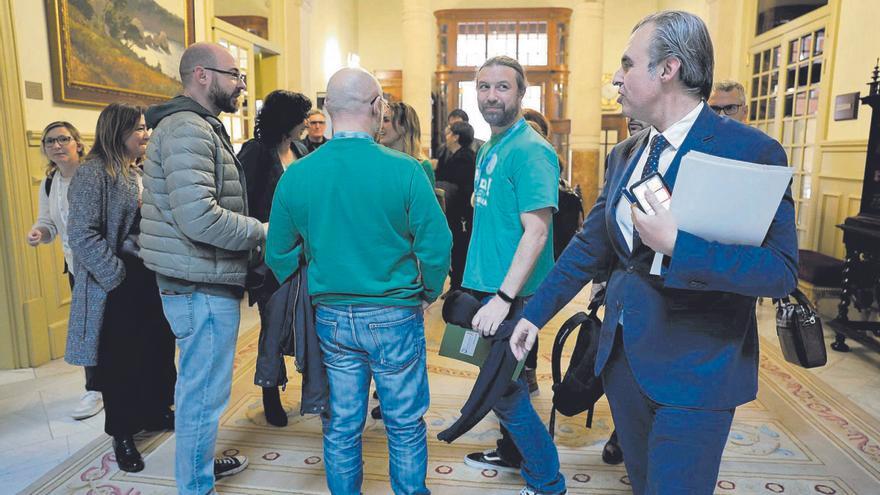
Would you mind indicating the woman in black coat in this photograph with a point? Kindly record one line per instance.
(265, 158)
(456, 176)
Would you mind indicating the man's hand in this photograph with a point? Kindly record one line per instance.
(34, 237)
(490, 316)
(658, 231)
(523, 338)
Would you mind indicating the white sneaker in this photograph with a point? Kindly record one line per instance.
(528, 491)
(90, 404)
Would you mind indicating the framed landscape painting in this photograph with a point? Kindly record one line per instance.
(106, 51)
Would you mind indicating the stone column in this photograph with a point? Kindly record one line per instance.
(584, 97)
(419, 55)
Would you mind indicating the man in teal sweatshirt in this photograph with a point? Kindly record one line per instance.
(378, 249)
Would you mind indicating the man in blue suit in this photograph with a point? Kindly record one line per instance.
(678, 352)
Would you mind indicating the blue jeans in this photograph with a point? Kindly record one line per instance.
(206, 328)
(540, 460)
(388, 344)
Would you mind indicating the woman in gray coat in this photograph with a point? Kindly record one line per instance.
(116, 319)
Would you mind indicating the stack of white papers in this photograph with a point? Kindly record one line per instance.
(726, 201)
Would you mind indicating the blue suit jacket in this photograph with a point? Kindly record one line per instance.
(690, 335)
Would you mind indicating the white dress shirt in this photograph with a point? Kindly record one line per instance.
(675, 134)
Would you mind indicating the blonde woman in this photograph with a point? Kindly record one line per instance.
(401, 131)
(63, 147)
(116, 318)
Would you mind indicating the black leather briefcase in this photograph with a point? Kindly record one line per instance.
(800, 331)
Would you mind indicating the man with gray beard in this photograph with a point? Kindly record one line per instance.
(197, 236)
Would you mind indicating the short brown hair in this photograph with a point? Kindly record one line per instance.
(521, 82)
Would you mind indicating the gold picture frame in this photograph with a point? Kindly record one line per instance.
(103, 52)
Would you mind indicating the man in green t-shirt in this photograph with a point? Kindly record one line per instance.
(378, 249)
(515, 195)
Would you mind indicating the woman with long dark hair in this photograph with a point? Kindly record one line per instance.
(276, 146)
(116, 318)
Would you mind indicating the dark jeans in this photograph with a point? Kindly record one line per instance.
(135, 354)
(91, 371)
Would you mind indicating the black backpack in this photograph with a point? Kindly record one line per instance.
(580, 388)
(48, 186)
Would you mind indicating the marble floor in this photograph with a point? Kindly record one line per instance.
(37, 434)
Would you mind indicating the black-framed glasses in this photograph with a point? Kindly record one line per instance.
(234, 73)
(726, 109)
(62, 140)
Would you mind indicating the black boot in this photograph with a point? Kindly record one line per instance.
(275, 413)
(127, 456)
(612, 453)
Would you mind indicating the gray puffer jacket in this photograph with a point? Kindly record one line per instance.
(194, 222)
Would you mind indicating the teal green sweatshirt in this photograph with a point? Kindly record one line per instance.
(370, 224)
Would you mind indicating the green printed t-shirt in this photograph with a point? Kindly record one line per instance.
(517, 172)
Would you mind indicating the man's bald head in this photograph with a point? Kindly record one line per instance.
(350, 92)
(202, 54)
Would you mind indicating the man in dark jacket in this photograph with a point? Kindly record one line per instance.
(197, 236)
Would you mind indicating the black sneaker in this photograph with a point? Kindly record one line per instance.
(489, 460)
(229, 465)
(612, 453)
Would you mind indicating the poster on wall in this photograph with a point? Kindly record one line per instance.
(106, 51)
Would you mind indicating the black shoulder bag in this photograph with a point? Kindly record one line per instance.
(800, 331)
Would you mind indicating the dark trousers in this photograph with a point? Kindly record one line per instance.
(666, 449)
(91, 371)
(461, 238)
(135, 354)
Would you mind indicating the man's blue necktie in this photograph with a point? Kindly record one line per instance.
(658, 144)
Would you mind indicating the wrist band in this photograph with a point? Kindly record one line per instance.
(504, 297)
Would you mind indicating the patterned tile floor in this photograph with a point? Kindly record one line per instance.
(36, 435)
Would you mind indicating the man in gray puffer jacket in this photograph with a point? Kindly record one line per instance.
(197, 237)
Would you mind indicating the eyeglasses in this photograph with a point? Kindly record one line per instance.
(726, 109)
(380, 98)
(317, 122)
(62, 140)
(234, 73)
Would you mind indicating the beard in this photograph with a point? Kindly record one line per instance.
(498, 119)
(224, 101)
